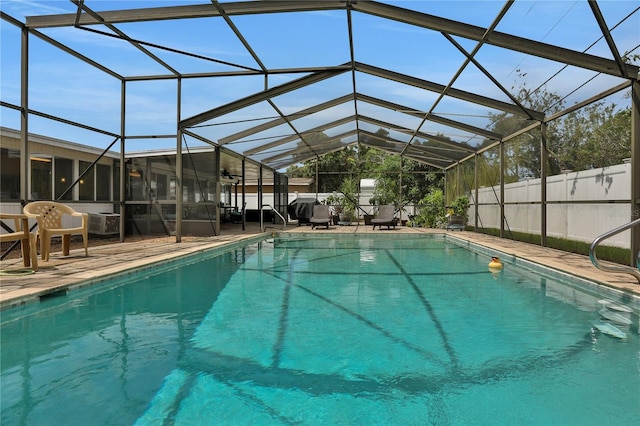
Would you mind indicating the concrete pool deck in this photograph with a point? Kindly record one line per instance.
(62, 273)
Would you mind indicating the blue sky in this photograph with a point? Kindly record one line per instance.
(63, 86)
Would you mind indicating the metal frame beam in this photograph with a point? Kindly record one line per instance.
(259, 97)
(281, 120)
(363, 98)
(423, 20)
(317, 129)
(184, 12)
(506, 41)
(454, 93)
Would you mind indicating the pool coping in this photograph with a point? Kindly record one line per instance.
(64, 281)
(593, 286)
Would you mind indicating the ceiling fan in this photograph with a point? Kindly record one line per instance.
(228, 178)
(226, 173)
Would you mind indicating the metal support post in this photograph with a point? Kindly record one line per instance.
(544, 161)
(635, 170)
(502, 218)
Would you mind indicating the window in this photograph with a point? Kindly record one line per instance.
(136, 172)
(103, 182)
(86, 184)
(64, 177)
(159, 184)
(172, 188)
(163, 168)
(116, 181)
(199, 180)
(9, 174)
(41, 171)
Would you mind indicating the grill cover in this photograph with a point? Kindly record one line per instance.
(301, 209)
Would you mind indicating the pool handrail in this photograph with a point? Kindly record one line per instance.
(264, 228)
(594, 245)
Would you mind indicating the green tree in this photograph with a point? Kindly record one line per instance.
(417, 180)
(522, 153)
(361, 162)
(595, 136)
(333, 168)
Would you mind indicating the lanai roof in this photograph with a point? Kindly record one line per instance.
(265, 78)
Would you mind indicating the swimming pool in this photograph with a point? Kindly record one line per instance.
(368, 329)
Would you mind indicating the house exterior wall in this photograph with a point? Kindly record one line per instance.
(56, 164)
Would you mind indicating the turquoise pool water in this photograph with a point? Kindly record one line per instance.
(322, 331)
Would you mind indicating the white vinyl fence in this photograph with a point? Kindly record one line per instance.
(580, 222)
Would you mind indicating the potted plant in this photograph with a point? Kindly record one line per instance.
(368, 216)
(343, 204)
(346, 216)
(348, 200)
(335, 202)
(457, 213)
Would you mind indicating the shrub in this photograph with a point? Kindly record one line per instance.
(432, 211)
(460, 206)
(608, 253)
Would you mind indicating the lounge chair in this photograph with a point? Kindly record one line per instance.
(49, 216)
(21, 233)
(385, 217)
(456, 222)
(320, 216)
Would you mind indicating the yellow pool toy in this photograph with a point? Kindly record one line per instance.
(495, 263)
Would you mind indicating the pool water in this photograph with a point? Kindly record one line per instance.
(318, 331)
